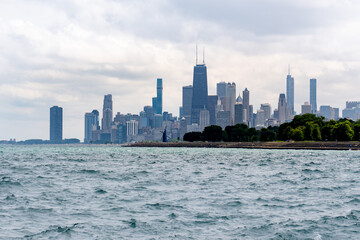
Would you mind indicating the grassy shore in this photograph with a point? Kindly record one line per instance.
(256, 145)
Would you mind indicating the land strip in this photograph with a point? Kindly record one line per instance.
(255, 145)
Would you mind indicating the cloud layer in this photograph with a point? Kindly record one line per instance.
(71, 53)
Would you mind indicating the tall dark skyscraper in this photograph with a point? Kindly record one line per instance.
(56, 124)
(149, 112)
(154, 103)
(313, 95)
(200, 92)
(159, 94)
(290, 93)
(107, 113)
(187, 102)
(239, 113)
(212, 102)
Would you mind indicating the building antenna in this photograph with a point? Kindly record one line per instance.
(196, 54)
(289, 70)
(204, 56)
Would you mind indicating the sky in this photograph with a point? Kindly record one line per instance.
(70, 53)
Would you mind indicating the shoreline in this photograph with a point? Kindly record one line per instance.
(255, 145)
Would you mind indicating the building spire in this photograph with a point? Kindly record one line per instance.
(289, 70)
(204, 56)
(196, 54)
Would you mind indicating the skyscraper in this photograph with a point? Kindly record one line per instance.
(221, 93)
(327, 112)
(200, 92)
(267, 109)
(223, 119)
(96, 114)
(107, 113)
(246, 104)
(306, 108)
(251, 116)
(260, 118)
(159, 90)
(239, 113)
(187, 102)
(204, 119)
(56, 124)
(149, 111)
(290, 93)
(154, 103)
(231, 98)
(221, 89)
(91, 124)
(313, 95)
(282, 108)
(212, 102)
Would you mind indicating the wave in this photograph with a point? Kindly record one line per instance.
(8, 181)
(89, 171)
(308, 170)
(54, 230)
(354, 200)
(132, 223)
(162, 206)
(100, 191)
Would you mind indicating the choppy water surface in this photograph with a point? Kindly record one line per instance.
(86, 192)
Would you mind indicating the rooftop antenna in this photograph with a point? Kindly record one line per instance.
(289, 70)
(196, 54)
(204, 56)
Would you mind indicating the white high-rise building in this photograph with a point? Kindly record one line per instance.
(231, 100)
(260, 118)
(204, 119)
(132, 128)
(267, 109)
(306, 108)
(282, 109)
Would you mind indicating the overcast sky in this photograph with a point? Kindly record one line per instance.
(71, 53)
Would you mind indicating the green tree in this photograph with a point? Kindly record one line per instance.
(253, 135)
(327, 131)
(284, 131)
(343, 131)
(316, 133)
(297, 134)
(238, 133)
(356, 128)
(267, 135)
(301, 120)
(225, 136)
(228, 130)
(308, 131)
(192, 136)
(212, 133)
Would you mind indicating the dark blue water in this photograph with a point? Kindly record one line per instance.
(86, 192)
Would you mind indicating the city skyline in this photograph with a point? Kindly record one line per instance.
(65, 53)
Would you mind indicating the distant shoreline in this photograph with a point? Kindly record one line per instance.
(255, 145)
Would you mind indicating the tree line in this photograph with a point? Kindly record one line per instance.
(307, 127)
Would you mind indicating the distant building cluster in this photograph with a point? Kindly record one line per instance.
(148, 125)
(198, 110)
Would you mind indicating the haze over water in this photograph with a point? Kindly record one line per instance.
(110, 192)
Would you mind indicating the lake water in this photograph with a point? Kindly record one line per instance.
(110, 192)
